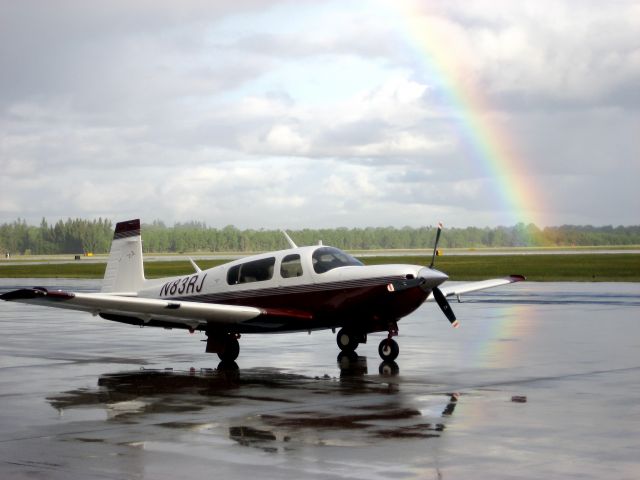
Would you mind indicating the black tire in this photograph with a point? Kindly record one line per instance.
(346, 341)
(388, 350)
(231, 349)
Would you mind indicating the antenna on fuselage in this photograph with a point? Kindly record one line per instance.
(195, 267)
(292, 244)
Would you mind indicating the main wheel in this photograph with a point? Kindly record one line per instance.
(388, 349)
(346, 341)
(231, 349)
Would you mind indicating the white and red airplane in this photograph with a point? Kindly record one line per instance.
(299, 289)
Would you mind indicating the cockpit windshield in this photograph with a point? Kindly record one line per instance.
(328, 258)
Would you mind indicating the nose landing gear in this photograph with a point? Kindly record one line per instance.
(388, 348)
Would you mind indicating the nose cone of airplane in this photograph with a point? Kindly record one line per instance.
(432, 277)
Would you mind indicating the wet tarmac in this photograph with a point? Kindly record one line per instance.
(542, 380)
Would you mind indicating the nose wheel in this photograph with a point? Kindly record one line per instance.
(388, 349)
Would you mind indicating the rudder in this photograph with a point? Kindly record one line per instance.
(125, 271)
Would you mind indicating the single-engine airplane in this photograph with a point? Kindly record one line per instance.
(298, 289)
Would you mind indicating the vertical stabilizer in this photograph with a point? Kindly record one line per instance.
(125, 272)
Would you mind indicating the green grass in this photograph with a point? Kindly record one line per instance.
(623, 267)
(96, 270)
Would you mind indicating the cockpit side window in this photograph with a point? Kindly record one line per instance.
(291, 266)
(255, 271)
(328, 258)
(233, 275)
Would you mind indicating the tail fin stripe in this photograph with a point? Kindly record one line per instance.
(130, 228)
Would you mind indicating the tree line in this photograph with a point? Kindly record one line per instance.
(70, 236)
(77, 236)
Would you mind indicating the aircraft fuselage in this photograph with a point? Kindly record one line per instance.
(327, 286)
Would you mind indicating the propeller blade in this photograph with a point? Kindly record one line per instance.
(435, 247)
(441, 300)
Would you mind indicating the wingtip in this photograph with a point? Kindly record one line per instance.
(517, 278)
(23, 294)
(38, 292)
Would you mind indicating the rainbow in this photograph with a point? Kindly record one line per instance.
(446, 63)
(498, 338)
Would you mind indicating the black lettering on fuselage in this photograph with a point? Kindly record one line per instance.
(165, 289)
(184, 286)
(199, 289)
(192, 284)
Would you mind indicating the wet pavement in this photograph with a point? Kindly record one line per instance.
(541, 380)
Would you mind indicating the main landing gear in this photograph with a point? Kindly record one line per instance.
(226, 345)
(388, 349)
(348, 341)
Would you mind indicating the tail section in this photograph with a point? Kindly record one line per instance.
(125, 272)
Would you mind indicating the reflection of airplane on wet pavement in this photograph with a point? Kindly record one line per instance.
(358, 409)
(298, 289)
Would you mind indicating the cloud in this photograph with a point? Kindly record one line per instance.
(266, 114)
(548, 53)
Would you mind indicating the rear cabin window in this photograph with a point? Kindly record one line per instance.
(328, 258)
(255, 271)
(291, 266)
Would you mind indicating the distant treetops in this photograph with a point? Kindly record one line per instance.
(84, 236)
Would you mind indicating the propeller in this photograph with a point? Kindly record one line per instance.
(435, 247)
(421, 281)
(442, 302)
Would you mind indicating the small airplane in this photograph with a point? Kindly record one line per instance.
(298, 289)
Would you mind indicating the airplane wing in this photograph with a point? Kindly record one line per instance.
(152, 312)
(466, 287)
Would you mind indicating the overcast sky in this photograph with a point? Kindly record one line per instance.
(268, 114)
